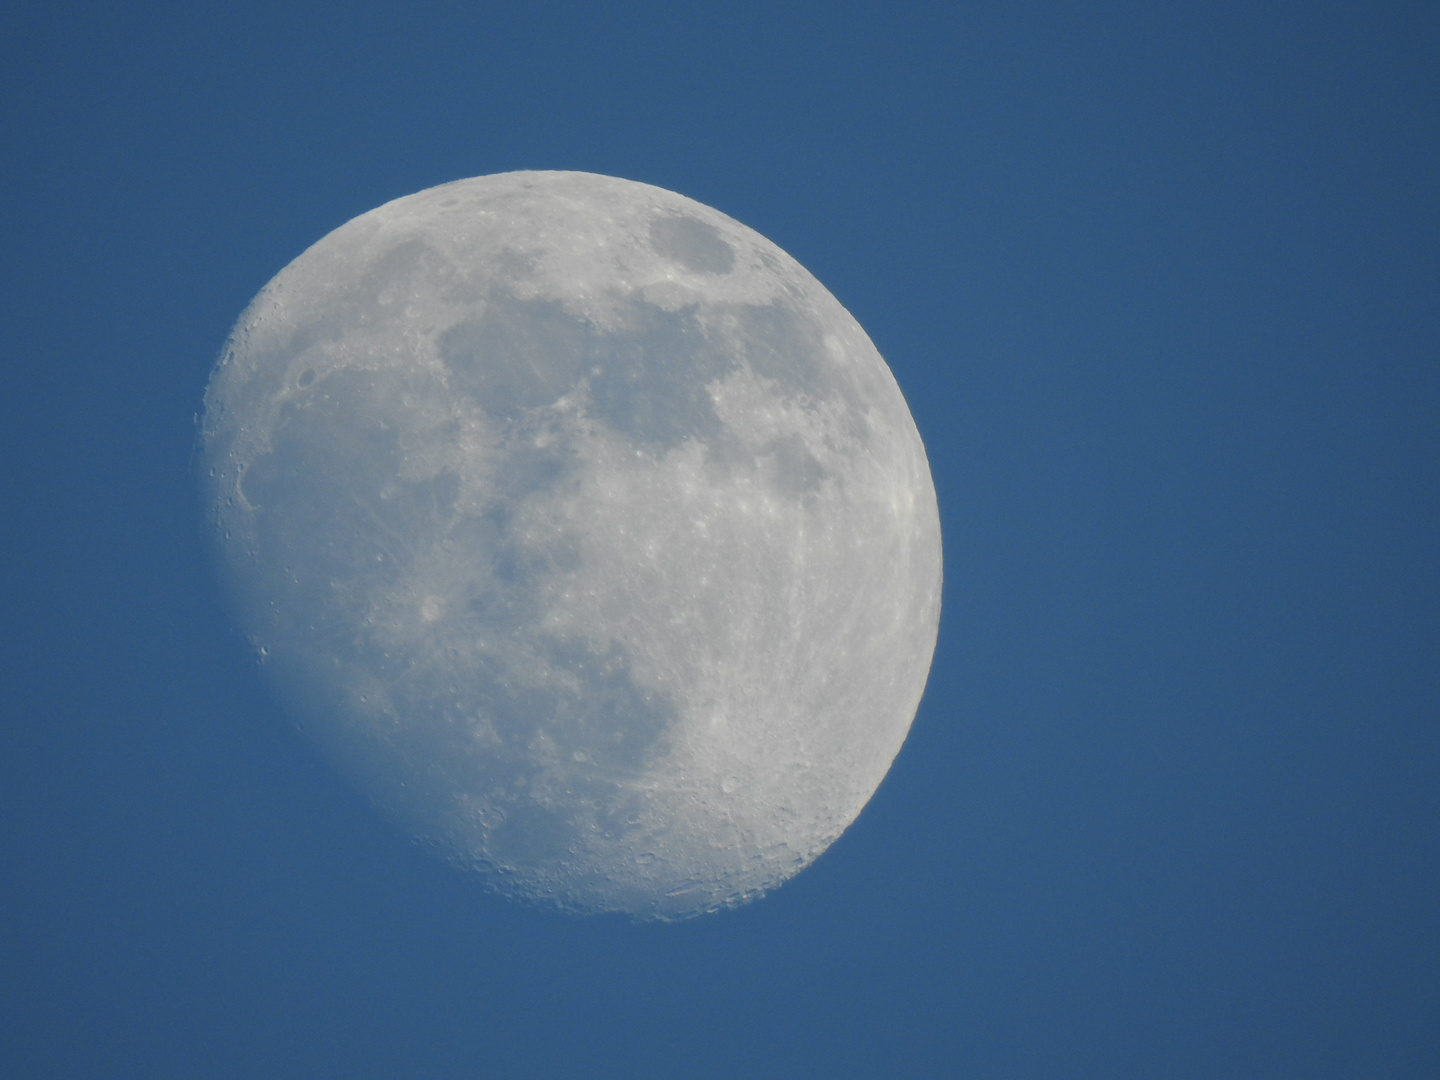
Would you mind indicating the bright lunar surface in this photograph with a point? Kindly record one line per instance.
(585, 530)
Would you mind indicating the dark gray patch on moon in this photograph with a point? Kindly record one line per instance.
(693, 244)
(517, 355)
(783, 345)
(647, 380)
(794, 469)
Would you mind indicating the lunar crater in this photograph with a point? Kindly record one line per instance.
(693, 244)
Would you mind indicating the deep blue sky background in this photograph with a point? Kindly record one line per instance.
(1162, 285)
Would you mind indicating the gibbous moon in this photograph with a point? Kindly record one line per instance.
(584, 530)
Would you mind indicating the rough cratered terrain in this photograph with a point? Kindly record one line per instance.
(586, 531)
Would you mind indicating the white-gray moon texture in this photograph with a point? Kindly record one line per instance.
(585, 530)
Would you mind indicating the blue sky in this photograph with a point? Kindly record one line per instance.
(1160, 284)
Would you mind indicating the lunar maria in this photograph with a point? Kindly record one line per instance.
(584, 530)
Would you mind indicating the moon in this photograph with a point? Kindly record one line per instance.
(584, 530)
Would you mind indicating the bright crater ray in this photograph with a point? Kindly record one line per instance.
(585, 530)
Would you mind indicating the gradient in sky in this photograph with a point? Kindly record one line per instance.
(1160, 285)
